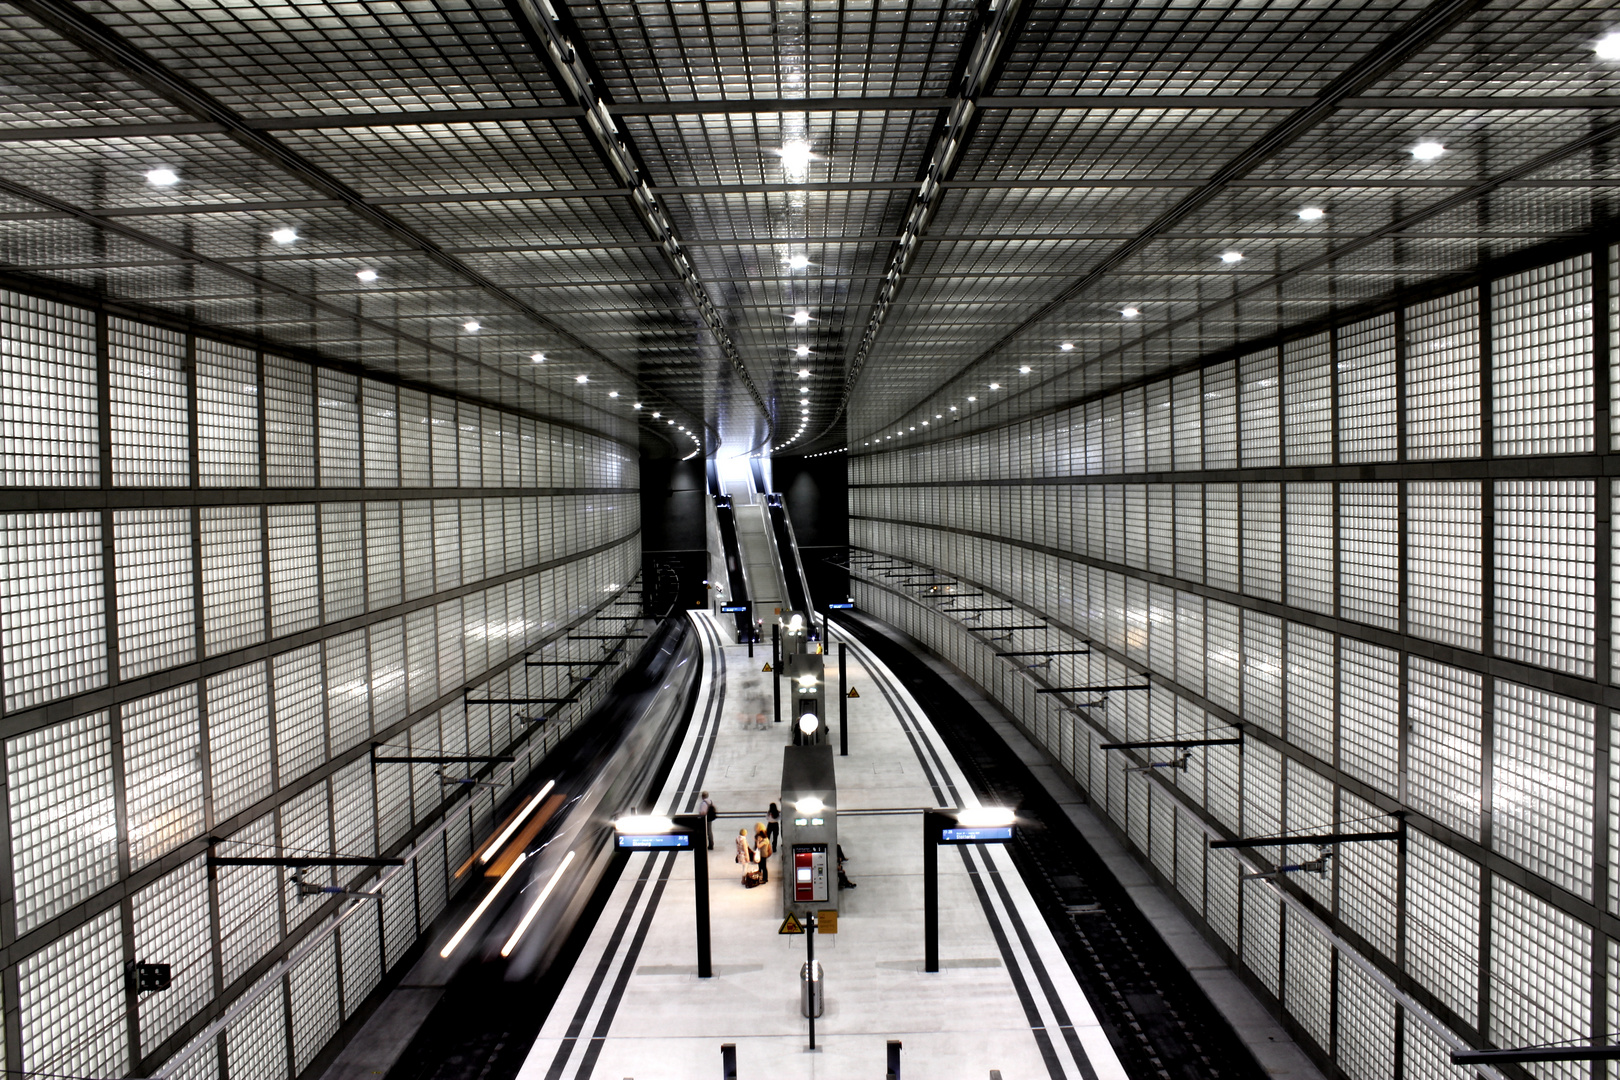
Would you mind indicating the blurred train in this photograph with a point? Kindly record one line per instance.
(543, 862)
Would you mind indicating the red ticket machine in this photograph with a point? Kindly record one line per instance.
(809, 873)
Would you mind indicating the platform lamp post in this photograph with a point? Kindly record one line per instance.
(843, 703)
(970, 825)
(776, 668)
(683, 832)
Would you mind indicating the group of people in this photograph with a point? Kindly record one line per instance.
(755, 856)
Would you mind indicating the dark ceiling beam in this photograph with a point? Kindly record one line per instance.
(573, 72)
(1075, 184)
(764, 106)
(1410, 38)
(69, 20)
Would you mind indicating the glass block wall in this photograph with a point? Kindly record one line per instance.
(225, 576)
(1382, 554)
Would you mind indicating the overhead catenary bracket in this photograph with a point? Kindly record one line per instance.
(1042, 652)
(1177, 744)
(1086, 689)
(1319, 839)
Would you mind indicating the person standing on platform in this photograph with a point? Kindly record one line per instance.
(762, 851)
(773, 824)
(706, 811)
(745, 854)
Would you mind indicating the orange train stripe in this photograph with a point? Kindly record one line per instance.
(514, 847)
(493, 833)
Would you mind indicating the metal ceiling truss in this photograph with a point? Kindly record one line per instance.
(71, 22)
(571, 68)
(761, 106)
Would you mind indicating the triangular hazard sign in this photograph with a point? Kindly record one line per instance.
(767, 666)
(854, 692)
(790, 925)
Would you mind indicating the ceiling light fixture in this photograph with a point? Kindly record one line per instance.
(797, 262)
(1230, 257)
(1129, 313)
(953, 407)
(995, 386)
(1607, 47)
(613, 393)
(472, 326)
(637, 405)
(1427, 150)
(658, 416)
(1024, 369)
(973, 399)
(801, 318)
(796, 157)
(804, 373)
(1311, 213)
(802, 351)
(367, 276)
(1067, 346)
(284, 235)
(582, 378)
(538, 357)
(168, 177)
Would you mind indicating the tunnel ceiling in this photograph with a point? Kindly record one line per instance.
(946, 195)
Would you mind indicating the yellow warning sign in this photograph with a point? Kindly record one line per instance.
(827, 922)
(790, 925)
(854, 692)
(767, 666)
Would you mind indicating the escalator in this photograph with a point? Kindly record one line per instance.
(787, 549)
(736, 569)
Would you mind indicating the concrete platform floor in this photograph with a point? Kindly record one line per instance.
(1004, 999)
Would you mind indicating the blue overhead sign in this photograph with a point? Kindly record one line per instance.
(734, 608)
(655, 840)
(840, 607)
(963, 835)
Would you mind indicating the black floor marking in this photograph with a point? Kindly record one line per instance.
(1156, 1016)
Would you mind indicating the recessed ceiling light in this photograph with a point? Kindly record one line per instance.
(367, 276)
(169, 178)
(804, 373)
(953, 407)
(1427, 150)
(802, 351)
(671, 423)
(939, 416)
(1067, 346)
(995, 386)
(1311, 213)
(637, 405)
(973, 399)
(1607, 47)
(1024, 369)
(1230, 257)
(1129, 313)
(613, 393)
(798, 262)
(925, 423)
(795, 159)
(658, 416)
(284, 235)
(801, 318)
(582, 378)
(538, 357)
(472, 326)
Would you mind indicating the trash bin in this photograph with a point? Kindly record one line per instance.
(810, 988)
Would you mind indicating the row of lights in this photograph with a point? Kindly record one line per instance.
(286, 235)
(1427, 150)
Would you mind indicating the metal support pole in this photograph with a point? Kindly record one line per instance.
(728, 1061)
(776, 668)
(695, 824)
(825, 640)
(810, 958)
(930, 892)
(843, 703)
(750, 641)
